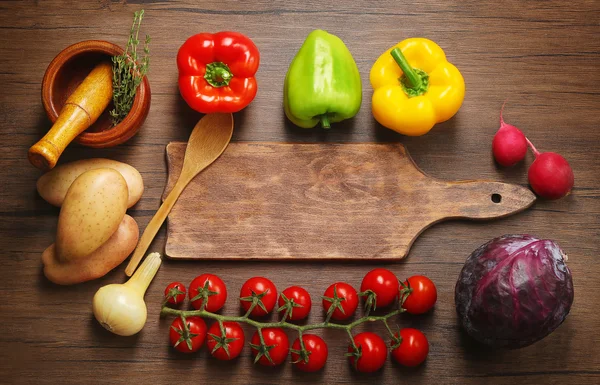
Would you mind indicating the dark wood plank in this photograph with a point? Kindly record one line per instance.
(353, 201)
(542, 56)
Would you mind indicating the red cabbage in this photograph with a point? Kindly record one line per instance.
(514, 291)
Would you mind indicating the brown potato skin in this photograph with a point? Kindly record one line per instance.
(92, 211)
(97, 264)
(53, 185)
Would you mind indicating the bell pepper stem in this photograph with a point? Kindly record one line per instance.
(325, 121)
(222, 74)
(411, 76)
(218, 74)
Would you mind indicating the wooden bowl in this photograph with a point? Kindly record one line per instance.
(67, 71)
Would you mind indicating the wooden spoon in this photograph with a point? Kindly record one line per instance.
(207, 142)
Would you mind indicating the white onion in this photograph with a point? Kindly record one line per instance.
(120, 308)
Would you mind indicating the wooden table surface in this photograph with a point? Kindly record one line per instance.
(540, 55)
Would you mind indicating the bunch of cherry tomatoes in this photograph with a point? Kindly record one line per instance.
(225, 338)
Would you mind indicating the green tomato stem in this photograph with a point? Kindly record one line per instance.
(388, 328)
(349, 331)
(260, 335)
(281, 324)
(302, 347)
(252, 306)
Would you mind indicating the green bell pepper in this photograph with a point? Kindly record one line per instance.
(322, 83)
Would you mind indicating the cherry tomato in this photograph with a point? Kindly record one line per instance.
(373, 352)
(298, 299)
(277, 346)
(423, 294)
(228, 347)
(175, 293)
(211, 286)
(383, 283)
(413, 349)
(190, 340)
(264, 289)
(317, 353)
(348, 297)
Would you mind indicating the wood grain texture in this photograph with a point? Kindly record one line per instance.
(209, 138)
(319, 201)
(542, 55)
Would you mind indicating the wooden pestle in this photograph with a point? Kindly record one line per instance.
(81, 110)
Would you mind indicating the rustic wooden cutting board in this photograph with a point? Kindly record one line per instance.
(319, 201)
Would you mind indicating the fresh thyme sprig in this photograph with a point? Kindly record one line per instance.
(128, 71)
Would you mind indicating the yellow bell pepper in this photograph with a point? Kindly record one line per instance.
(415, 87)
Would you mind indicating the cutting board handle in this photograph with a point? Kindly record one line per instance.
(483, 199)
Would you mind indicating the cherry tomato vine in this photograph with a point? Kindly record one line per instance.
(334, 302)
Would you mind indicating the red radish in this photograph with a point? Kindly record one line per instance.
(550, 175)
(509, 145)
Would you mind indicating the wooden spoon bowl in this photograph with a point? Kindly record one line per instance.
(67, 71)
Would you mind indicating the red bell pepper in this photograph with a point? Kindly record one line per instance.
(216, 71)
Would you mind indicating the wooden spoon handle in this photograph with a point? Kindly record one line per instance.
(155, 224)
(483, 199)
(81, 110)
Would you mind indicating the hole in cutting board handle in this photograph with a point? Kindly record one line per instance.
(496, 198)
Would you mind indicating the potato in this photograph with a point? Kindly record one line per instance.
(99, 263)
(93, 208)
(53, 185)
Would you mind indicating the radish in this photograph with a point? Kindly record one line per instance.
(550, 175)
(509, 145)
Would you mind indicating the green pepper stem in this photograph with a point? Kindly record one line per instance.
(325, 121)
(411, 76)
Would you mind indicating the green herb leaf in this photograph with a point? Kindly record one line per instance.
(128, 72)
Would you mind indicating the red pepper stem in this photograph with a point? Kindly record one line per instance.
(411, 76)
(222, 74)
(218, 74)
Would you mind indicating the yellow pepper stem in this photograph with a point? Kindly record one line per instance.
(413, 79)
